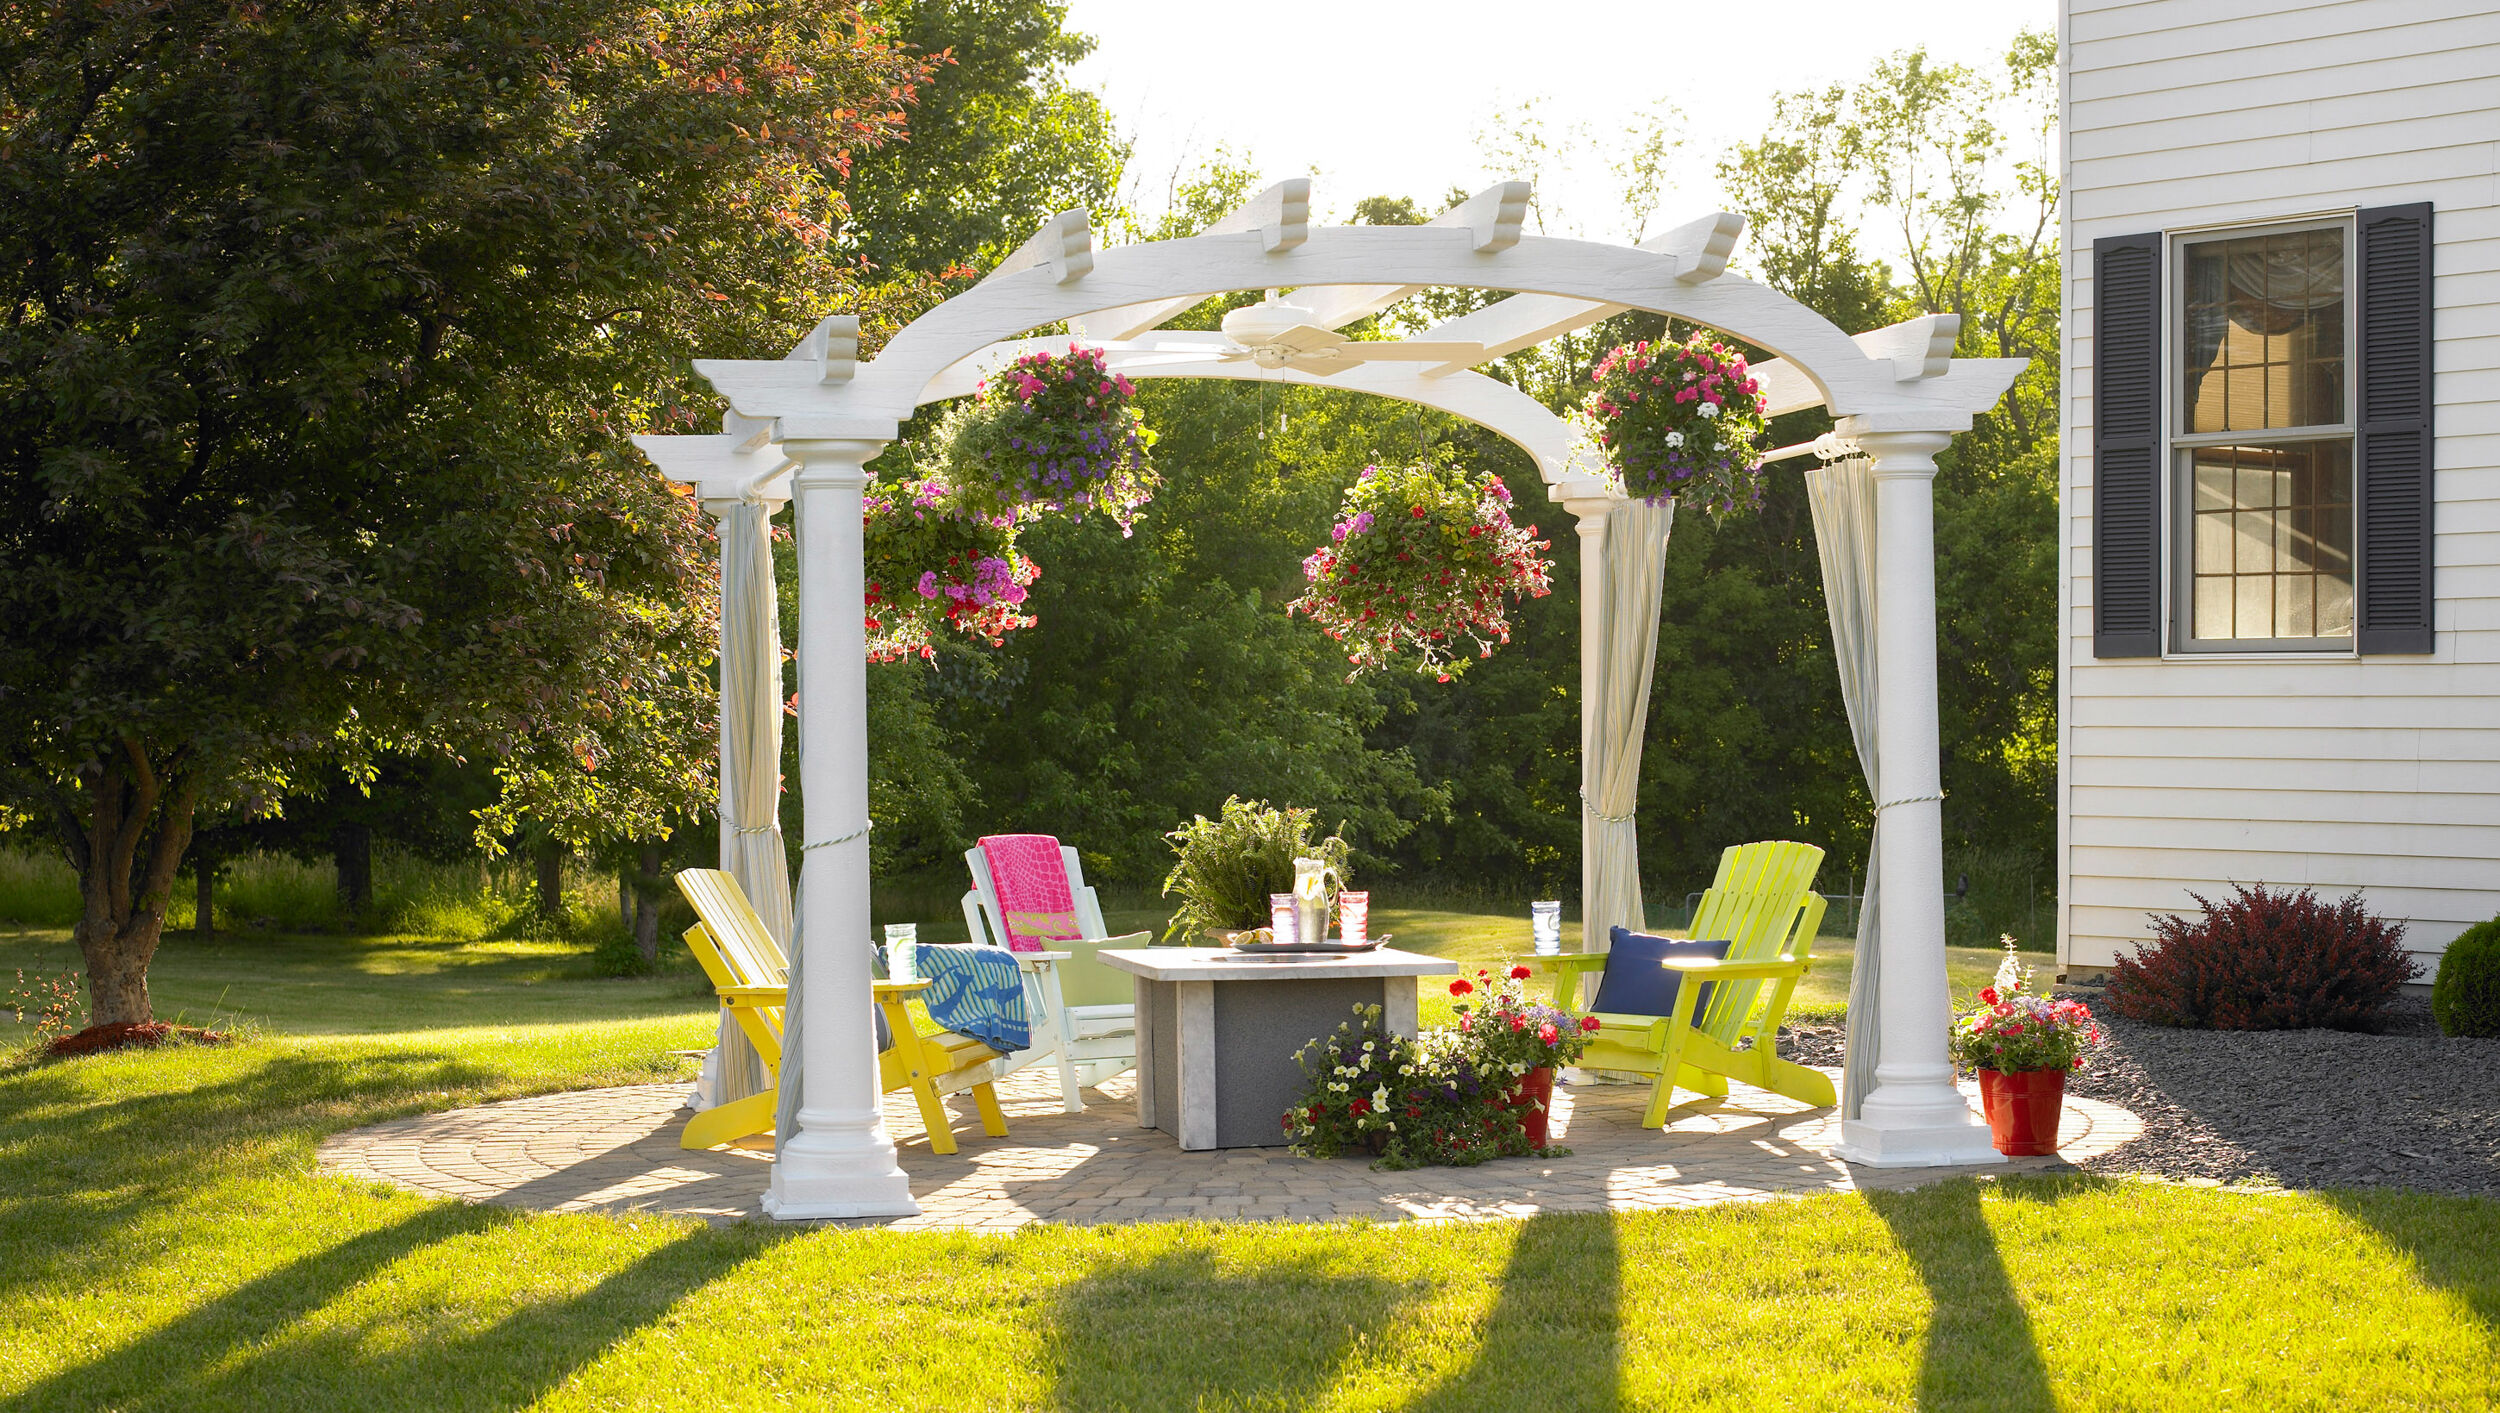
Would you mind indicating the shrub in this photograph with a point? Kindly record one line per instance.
(1228, 865)
(2266, 960)
(2465, 1000)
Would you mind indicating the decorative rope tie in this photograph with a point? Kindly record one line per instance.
(753, 828)
(1600, 815)
(859, 833)
(1912, 800)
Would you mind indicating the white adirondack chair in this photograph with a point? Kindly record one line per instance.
(1091, 1039)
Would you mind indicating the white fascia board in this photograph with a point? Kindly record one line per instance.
(722, 466)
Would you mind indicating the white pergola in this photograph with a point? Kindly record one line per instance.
(805, 426)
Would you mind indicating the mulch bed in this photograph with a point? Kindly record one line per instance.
(128, 1035)
(2298, 1108)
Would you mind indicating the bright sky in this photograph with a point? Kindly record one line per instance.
(1388, 96)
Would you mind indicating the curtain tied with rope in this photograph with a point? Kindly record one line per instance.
(1843, 497)
(751, 846)
(1636, 553)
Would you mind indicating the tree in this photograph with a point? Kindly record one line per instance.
(325, 325)
(1916, 155)
(999, 141)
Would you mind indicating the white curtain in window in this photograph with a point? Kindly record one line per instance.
(751, 848)
(1843, 497)
(1636, 552)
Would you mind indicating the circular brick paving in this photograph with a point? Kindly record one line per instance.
(615, 1150)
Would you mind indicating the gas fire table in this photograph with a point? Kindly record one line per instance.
(1217, 1030)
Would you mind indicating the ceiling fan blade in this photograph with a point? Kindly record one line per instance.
(1326, 363)
(1307, 338)
(1414, 351)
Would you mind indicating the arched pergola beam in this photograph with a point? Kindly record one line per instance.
(1488, 402)
(795, 391)
(1700, 250)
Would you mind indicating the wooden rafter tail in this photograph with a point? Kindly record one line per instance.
(1917, 349)
(1700, 249)
(1065, 243)
(833, 346)
(1492, 218)
(1281, 215)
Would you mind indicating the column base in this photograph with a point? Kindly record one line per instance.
(823, 1186)
(1874, 1144)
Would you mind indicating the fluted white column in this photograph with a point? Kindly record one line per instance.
(1915, 1117)
(841, 1163)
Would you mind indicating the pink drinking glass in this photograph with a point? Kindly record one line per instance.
(1354, 916)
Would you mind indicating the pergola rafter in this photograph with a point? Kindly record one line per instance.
(808, 424)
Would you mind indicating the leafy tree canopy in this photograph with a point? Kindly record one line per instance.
(325, 326)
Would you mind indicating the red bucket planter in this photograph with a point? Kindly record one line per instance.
(1533, 1097)
(2023, 1110)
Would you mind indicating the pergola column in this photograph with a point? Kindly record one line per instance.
(841, 1162)
(1915, 1117)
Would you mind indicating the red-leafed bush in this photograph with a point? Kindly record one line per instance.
(2266, 960)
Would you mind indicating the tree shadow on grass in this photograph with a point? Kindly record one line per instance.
(1554, 1339)
(2453, 1242)
(244, 1349)
(79, 1174)
(1981, 1352)
(1188, 1328)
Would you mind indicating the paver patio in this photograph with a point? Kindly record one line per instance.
(615, 1150)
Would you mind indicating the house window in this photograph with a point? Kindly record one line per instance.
(2262, 442)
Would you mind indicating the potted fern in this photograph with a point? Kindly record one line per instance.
(1227, 866)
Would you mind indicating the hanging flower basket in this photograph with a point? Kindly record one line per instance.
(931, 568)
(1418, 564)
(1051, 433)
(1682, 420)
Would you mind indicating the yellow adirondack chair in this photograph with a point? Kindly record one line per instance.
(1763, 903)
(752, 977)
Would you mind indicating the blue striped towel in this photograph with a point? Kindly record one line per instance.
(976, 991)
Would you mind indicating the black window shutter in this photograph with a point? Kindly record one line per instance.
(2392, 463)
(2126, 446)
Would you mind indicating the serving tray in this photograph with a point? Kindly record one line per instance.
(1321, 949)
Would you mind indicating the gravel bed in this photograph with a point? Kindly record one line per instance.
(2300, 1108)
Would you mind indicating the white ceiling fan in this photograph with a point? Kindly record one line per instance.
(1276, 334)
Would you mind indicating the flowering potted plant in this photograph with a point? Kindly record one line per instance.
(1514, 1040)
(1055, 432)
(1434, 1101)
(1374, 1091)
(2022, 1046)
(929, 565)
(1419, 560)
(1680, 419)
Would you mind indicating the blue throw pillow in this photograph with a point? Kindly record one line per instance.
(1635, 985)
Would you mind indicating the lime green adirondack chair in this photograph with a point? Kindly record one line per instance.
(1763, 903)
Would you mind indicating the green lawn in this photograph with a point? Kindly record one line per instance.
(165, 1244)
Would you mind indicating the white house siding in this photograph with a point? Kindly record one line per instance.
(2381, 774)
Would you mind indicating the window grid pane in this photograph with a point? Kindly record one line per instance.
(2265, 332)
(2271, 549)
